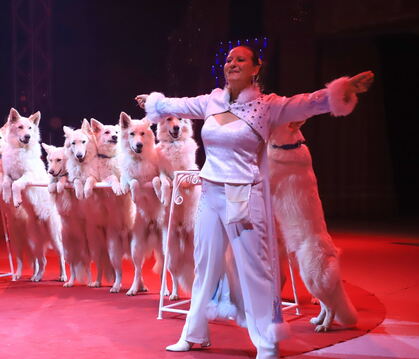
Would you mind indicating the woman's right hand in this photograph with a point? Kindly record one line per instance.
(141, 99)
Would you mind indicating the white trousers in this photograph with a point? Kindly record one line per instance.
(252, 279)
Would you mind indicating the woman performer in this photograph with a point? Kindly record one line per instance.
(235, 206)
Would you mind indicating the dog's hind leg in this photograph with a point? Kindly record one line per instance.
(320, 318)
(70, 282)
(328, 319)
(42, 262)
(137, 254)
(115, 255)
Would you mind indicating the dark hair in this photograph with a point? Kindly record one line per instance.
(256, 62)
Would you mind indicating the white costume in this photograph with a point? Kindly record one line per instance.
(235, 203)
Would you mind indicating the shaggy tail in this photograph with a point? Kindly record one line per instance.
(346, 313)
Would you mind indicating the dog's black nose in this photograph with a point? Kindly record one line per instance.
(51, 172)
(139, 145)
(27, 137)
(176, 128)
(79, 155)
(115, 138)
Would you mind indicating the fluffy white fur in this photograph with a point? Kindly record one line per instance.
(301, 226)
(16, 220)
(176, 152)
(342, 98)
(83, 173)
(139, 165)
(76, 249)
(119, 208)
(22, 165)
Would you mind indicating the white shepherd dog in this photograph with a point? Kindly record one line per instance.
(22, 165)
(302, 228)
(83, 173)
(176, 152)
(73, 224)
(138, 163)
(120, 210)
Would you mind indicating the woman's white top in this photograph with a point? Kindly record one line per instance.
(232, 152)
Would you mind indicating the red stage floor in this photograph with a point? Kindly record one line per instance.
(45, 320)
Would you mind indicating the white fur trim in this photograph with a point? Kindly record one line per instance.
(338, 89)
(151, 107)
(221, 310)
(277, 332)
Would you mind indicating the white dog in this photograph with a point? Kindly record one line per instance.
(22, 165)
(83, 173)
(302, 228)
(73, 224)
(138, 164)
(176, 152)
(120, 209)
(15, 222)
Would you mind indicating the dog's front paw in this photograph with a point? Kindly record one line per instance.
(157, 187)
(52, 188)
(88, 191)
(78, 189)
(17, 194)
(60, 187)
(134, 186)
(117, 189)
(7, 195)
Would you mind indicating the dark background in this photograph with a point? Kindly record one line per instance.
(102, 53)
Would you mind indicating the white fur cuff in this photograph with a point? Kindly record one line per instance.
(342, 101)
(152, 107)
(277, 332)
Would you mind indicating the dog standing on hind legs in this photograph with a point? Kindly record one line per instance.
(76, 250)
(120, 210)
(139, 165)
(176, 152)
(22, 165)
(302, 228)
(82, 167)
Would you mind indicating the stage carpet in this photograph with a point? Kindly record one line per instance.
(45, 320)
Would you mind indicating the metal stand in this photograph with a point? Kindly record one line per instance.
(192, 177)
(180, 177)
(6, 238)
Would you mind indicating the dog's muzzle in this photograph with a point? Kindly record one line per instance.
(138, 148)
(80, 157)
(114, 140)
(25, 139)
(175, 133)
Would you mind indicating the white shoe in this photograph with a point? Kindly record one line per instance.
(184, 346)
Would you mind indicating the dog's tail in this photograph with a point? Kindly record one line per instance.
(81, 272)
(346, 313)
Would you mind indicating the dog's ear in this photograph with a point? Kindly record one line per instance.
(67, 131)
(124, 120)
(147, 121)
(96, 126)
(13, 115)
(296, 125)
(46, 147)
(35, 118)
(85, 126)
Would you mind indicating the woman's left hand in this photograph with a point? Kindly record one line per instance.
(361, 82)
(141, 100)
